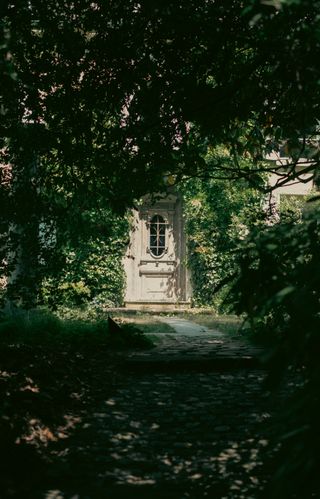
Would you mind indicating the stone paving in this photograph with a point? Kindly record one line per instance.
(174, 435)
(195, 346)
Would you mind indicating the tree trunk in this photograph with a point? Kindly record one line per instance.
(23, 235)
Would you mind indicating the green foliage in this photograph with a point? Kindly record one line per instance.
(44, 328)
(136, 130)
(99, 94)
(87, 268)
(293, 206)
(218, 216)
(279, 291)
(97, 99)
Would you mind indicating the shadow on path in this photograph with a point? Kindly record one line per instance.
(189, 432)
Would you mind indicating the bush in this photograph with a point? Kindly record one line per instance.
(218, 216)
(278, 289)
(88, 265)
(41, 327)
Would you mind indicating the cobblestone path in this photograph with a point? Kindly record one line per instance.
(198, 346)
(173, 435)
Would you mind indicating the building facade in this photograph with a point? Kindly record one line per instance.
(155, 261)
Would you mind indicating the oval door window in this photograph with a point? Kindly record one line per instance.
(157, 243)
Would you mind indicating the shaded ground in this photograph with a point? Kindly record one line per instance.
(148, 324)
(181, 435)
(44, 395)
(195, 346)
(91, 429)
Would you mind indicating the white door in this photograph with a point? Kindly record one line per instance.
(153, 259)
(157, 266)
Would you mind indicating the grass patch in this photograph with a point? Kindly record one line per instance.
(42, 327)
(51, 372)
(148, 324)
(229, 324)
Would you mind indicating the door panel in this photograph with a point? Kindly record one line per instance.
(153, 264)
(156, 288)
(157, 280)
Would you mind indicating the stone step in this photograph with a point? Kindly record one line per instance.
(198, 364)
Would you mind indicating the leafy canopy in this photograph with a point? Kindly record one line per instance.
(110, 87)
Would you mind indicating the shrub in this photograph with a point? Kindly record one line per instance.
(88, 265)
(44, 327)
(278, 288)
(218, 216)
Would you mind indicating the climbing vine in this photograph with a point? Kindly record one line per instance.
(218, 215)
(90, 267)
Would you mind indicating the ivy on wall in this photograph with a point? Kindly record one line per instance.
(218, 215)
(90, 268)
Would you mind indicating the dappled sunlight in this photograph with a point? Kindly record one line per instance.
(39, 435)
(201, 432)
(6, 374)
(136, 480)
(236, 465)
(31, 388)
(71, 422)
(54, 494)
(110, 402)
(46, 392)
(123, 436)
(159, 156)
